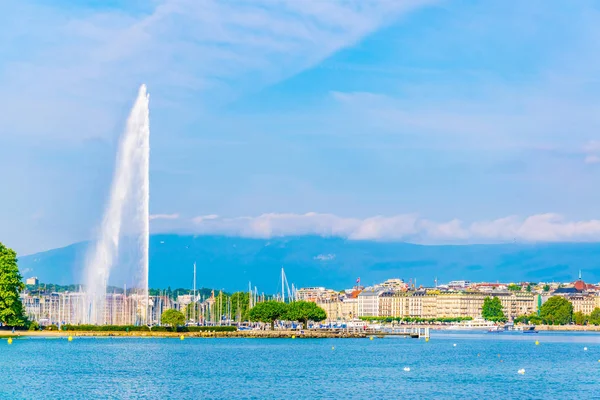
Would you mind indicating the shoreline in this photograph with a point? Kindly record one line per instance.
(288, 334)
(268, 334)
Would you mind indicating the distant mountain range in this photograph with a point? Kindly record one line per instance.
(231, 262)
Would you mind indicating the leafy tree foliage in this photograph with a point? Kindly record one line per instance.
(535, 319)
(595, 316)
(514, 288)
(521, 319)
(267, 312)
(11, 307)
(304, 311)
(557, 311)
(546, 288)
(492, 310)
(172, 317)
(580, 318)
(240, 302)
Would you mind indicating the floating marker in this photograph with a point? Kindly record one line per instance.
(9, 340)
(498, 355)
(427, 339)
(585, 349)
(478, 354)
(537, 343)
(454, 345)
(181, 337)
(332, 347)
(70, 339)
(521, 371)
(370, 337)
(293, 336)
(406, 369)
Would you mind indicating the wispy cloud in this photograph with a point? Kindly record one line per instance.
(210, 49)
(409, 227)
(325, 257)
(164, 216)
(500, 117)
(592, 152)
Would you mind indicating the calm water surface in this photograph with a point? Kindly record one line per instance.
(479, 366)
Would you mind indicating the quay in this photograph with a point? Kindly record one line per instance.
(267, 334)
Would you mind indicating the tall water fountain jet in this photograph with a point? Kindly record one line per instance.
(129, 202)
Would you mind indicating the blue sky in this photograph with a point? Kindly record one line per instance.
(426, 121)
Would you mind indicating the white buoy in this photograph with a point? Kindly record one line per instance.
(406, 369)
(585, 349)
(454, 345)
(521, 371)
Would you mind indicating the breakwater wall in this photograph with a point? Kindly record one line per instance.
(307, 334)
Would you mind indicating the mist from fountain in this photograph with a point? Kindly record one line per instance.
(127, 212)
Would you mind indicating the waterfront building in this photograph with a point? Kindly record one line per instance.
(368, 302)
(316, 294)
(70, 308)
(393, 285)
(432, 304)
(583, 303)
(458, 284)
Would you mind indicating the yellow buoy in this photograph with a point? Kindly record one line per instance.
(371, 338)
(181, 337)
(293, 336)
(478, 355)
(427, 339)
(9, 340)
(70, 338)
(537, 342)
(332, 347)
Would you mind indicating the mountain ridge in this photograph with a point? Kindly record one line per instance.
(231, 262)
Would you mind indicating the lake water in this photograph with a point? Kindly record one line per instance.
(481, 365)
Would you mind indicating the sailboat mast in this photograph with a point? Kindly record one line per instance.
(282, 285)
(194, 298)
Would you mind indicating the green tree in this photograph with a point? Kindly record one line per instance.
(580, 318)
(192, 311)
(557, 311)
(172, 318)
(514, 288)
(595, 316)
(528, 289)
(546, 288)
(304, 311)
(492, 310)
(534, 319)
(267, 312)
(521, 319)
(11, 307)
(240, 303)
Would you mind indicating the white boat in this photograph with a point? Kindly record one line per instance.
(475, 324)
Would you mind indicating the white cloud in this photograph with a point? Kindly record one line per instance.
(325, 257)
(592, 151)
(592, 159)
(409, 227)
(75, 65)
(164, 216)
(198, 220)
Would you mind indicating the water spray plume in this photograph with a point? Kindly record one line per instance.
(131, 188)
